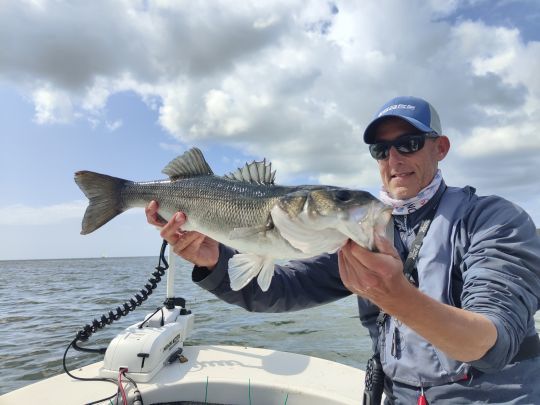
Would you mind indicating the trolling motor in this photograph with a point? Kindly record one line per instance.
(142, 349)
(145, 347)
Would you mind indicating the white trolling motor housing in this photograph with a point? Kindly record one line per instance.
(144, 351)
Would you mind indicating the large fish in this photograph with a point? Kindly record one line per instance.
(244, 210)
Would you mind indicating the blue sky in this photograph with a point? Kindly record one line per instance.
(123, 87)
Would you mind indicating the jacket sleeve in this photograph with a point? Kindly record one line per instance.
(296, 285)
(501, 274)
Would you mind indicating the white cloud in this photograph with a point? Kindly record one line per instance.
(52, 106)
(174, 147)
(25, 215)
(501, 141)
(294, 81)
(113, 126)
(129, 235)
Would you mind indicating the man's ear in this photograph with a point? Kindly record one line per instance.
(443, 146)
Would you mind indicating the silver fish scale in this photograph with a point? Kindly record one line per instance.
(216, 203)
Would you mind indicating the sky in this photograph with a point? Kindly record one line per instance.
(123, 87)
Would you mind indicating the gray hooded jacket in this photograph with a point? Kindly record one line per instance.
(481, 254)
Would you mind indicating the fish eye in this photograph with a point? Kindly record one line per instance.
(343, 195)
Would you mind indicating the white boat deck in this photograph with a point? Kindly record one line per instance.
(215, 374)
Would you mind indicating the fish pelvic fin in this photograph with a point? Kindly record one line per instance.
(243, 267)
(265, 275)
(103, 193)
(190, 164)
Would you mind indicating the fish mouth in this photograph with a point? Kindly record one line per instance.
(382, 214)
(384, 226)
(376, 220)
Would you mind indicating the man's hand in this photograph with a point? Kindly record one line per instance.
(377, 276)
(193, 246)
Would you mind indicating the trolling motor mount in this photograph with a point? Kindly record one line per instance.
(144, 348)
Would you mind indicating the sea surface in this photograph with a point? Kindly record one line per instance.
(44, 303)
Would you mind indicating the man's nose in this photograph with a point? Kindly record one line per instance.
(394, 155)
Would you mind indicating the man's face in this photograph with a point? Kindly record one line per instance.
(404, 175)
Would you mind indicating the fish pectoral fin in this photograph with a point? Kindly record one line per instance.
(304, 238)
(243, 267)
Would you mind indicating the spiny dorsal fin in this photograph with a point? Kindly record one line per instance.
(190, 164)
(254, 172)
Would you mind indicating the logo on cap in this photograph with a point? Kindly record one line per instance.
(397, 107)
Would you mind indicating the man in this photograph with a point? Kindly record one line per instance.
(458, 325)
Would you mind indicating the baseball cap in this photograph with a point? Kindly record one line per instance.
(416, 111)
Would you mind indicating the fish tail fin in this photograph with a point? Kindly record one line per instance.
(243, 267)
(104, 195)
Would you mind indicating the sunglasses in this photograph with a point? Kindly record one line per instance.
(405, 144)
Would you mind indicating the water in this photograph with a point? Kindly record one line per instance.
(45, 302)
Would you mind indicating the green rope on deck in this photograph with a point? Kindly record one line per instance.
(206, 391)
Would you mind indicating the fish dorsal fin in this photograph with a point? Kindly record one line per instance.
(190, 164)
(254, 172)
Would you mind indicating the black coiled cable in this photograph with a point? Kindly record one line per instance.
(125, 308)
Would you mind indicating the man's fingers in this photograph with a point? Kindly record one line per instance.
(384, 245)
(186, 244)
(153, 206)
(185, 240)
(376, 261)
(366, 273)
(198, 241)
(169, 232)
(343, 267)
(353, 274)
(359, 253)
(152, 216)
(190, 246)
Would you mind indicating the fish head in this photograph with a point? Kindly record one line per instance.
(355, 213)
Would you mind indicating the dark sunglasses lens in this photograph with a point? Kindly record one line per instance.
(409, 144)
(404, 144)
(379, 151)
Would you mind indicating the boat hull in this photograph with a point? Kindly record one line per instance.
(216, 374)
